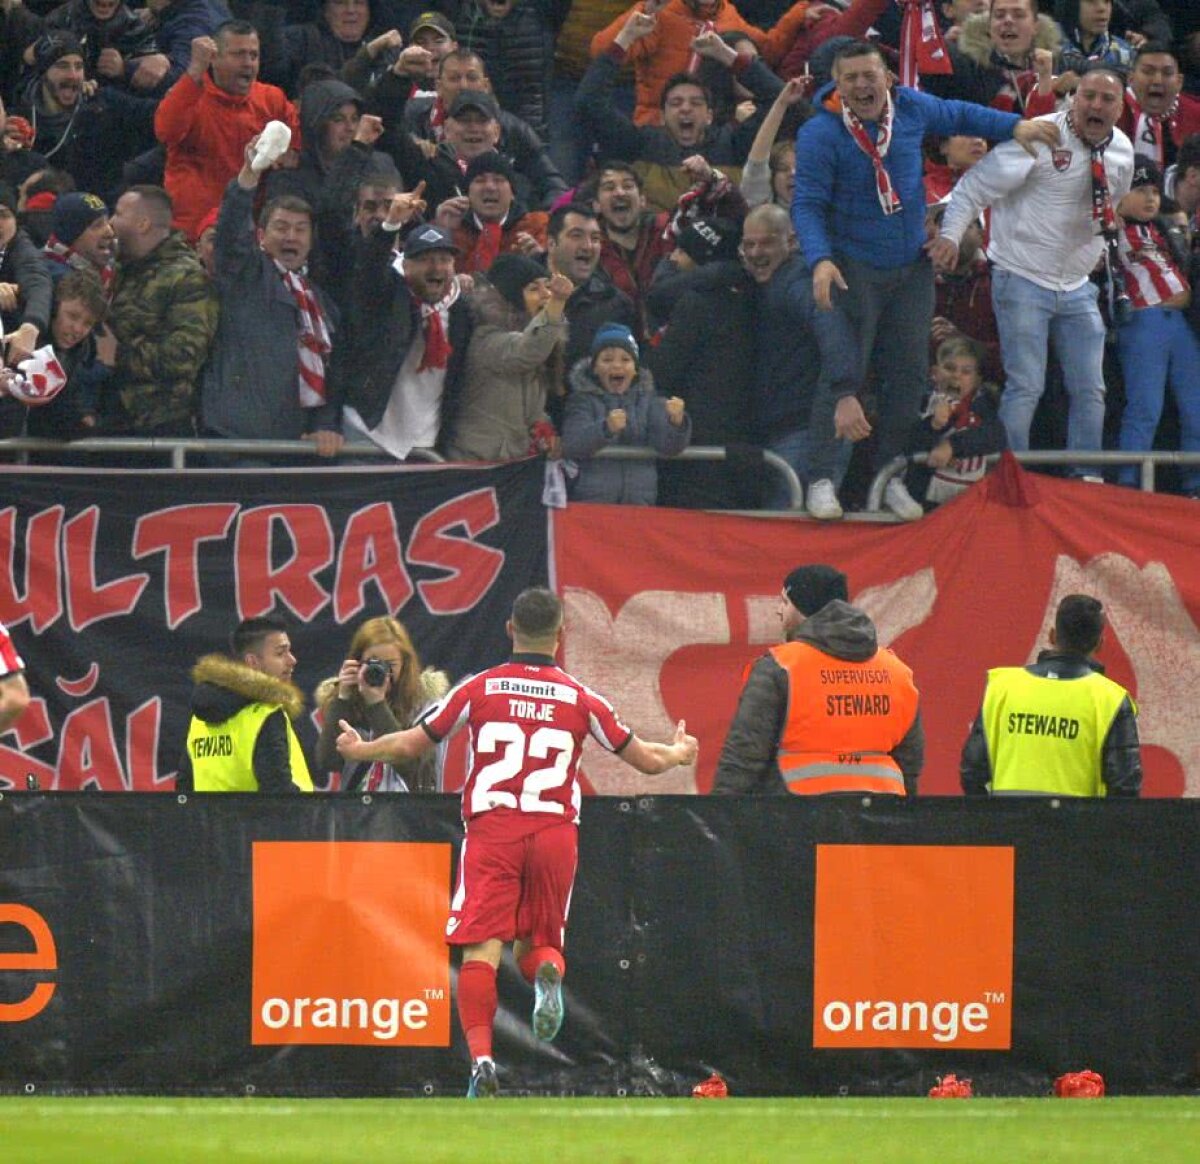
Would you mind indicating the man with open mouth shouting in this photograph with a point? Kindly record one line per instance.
(858, 210)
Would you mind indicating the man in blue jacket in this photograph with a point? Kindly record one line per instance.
(859, 214)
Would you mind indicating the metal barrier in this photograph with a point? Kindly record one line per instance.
(177, 449)
(1147, 460)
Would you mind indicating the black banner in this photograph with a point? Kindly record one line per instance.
(113, 584)
(225, 944)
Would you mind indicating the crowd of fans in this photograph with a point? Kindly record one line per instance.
(502, 228)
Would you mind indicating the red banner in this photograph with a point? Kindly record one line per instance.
(665, 608)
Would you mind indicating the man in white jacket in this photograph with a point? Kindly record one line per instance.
(1051, 214)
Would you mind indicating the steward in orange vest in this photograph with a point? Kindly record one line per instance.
(828, 710)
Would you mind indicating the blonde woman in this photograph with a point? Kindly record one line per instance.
(380, 688)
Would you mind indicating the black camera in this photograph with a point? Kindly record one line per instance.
(376, 673)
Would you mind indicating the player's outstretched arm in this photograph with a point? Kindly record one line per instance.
(401, 745)
(652, 758)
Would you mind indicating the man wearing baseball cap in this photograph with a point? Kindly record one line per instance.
(399, 374)
(828, 710)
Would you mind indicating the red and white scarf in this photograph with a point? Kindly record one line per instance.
(922, 49)
(66, 256)
(889, 200)
(312, 337)
(1149, 132)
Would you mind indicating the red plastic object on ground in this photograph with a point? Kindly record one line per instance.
(1079, 1085)
(714, 1087)
(951, 1087)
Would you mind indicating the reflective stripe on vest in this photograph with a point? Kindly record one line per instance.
(1047, 735)
(843, 721)
(222, 754)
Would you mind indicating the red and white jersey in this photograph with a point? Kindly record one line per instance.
(1148, 269)
(10, 662)
(528, 720)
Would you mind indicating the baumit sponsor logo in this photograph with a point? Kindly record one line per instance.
(913, 946)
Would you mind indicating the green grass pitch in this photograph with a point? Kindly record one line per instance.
(101, 1130)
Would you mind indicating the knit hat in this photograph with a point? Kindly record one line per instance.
(74, 213)
(705, 240)
(53, 47)
(490, 163)
(615, 335)
(511, 274)
(810, 587)
(1146, 173)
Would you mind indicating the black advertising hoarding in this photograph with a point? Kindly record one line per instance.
(113, 584)
(227, 944)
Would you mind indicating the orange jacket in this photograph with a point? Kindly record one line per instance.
(843, 721)
(206, 130)
(666, 50)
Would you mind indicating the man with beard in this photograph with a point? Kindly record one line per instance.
(78, 127)
(209, 115)
(164, 315)
(267, 376)
(81, 237)
(399, 373)
(488, 221)
(634, 237)
(1040, 285)
(573, 243)
(687, 114)
(1158, 116)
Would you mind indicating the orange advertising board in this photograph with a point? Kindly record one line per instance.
(348, 944)
(913, 946)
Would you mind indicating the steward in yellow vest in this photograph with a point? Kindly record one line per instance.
(827, 711)
(1057, 727)
(241, 738)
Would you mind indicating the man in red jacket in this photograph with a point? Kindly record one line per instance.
(206, 119)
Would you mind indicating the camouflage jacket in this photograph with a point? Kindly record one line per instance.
(164, 315)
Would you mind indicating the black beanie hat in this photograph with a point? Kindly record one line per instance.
(810, 587)
(74, 213)
(53, 46)
(490, 163)
(511, 274)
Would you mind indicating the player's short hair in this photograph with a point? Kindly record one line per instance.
(248, 635)
(233, 28)
(856, 48)
(82, 287)
(291, 203)
(1079, 623)
(537, 613)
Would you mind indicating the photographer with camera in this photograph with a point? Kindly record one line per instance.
(381, 688)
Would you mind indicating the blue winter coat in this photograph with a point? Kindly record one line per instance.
(835, 208)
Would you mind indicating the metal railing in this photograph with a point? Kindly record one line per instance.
(1147, 460)
(177, 449)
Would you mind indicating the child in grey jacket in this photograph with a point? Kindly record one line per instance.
(612, 402)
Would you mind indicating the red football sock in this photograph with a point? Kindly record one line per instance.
(477, 1006)
(539, 954)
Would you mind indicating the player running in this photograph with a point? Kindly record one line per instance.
(528, 720)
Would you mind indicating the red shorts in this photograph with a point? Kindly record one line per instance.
(515, 889)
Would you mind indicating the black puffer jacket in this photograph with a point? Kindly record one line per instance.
(517, 51)
(748, 762)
